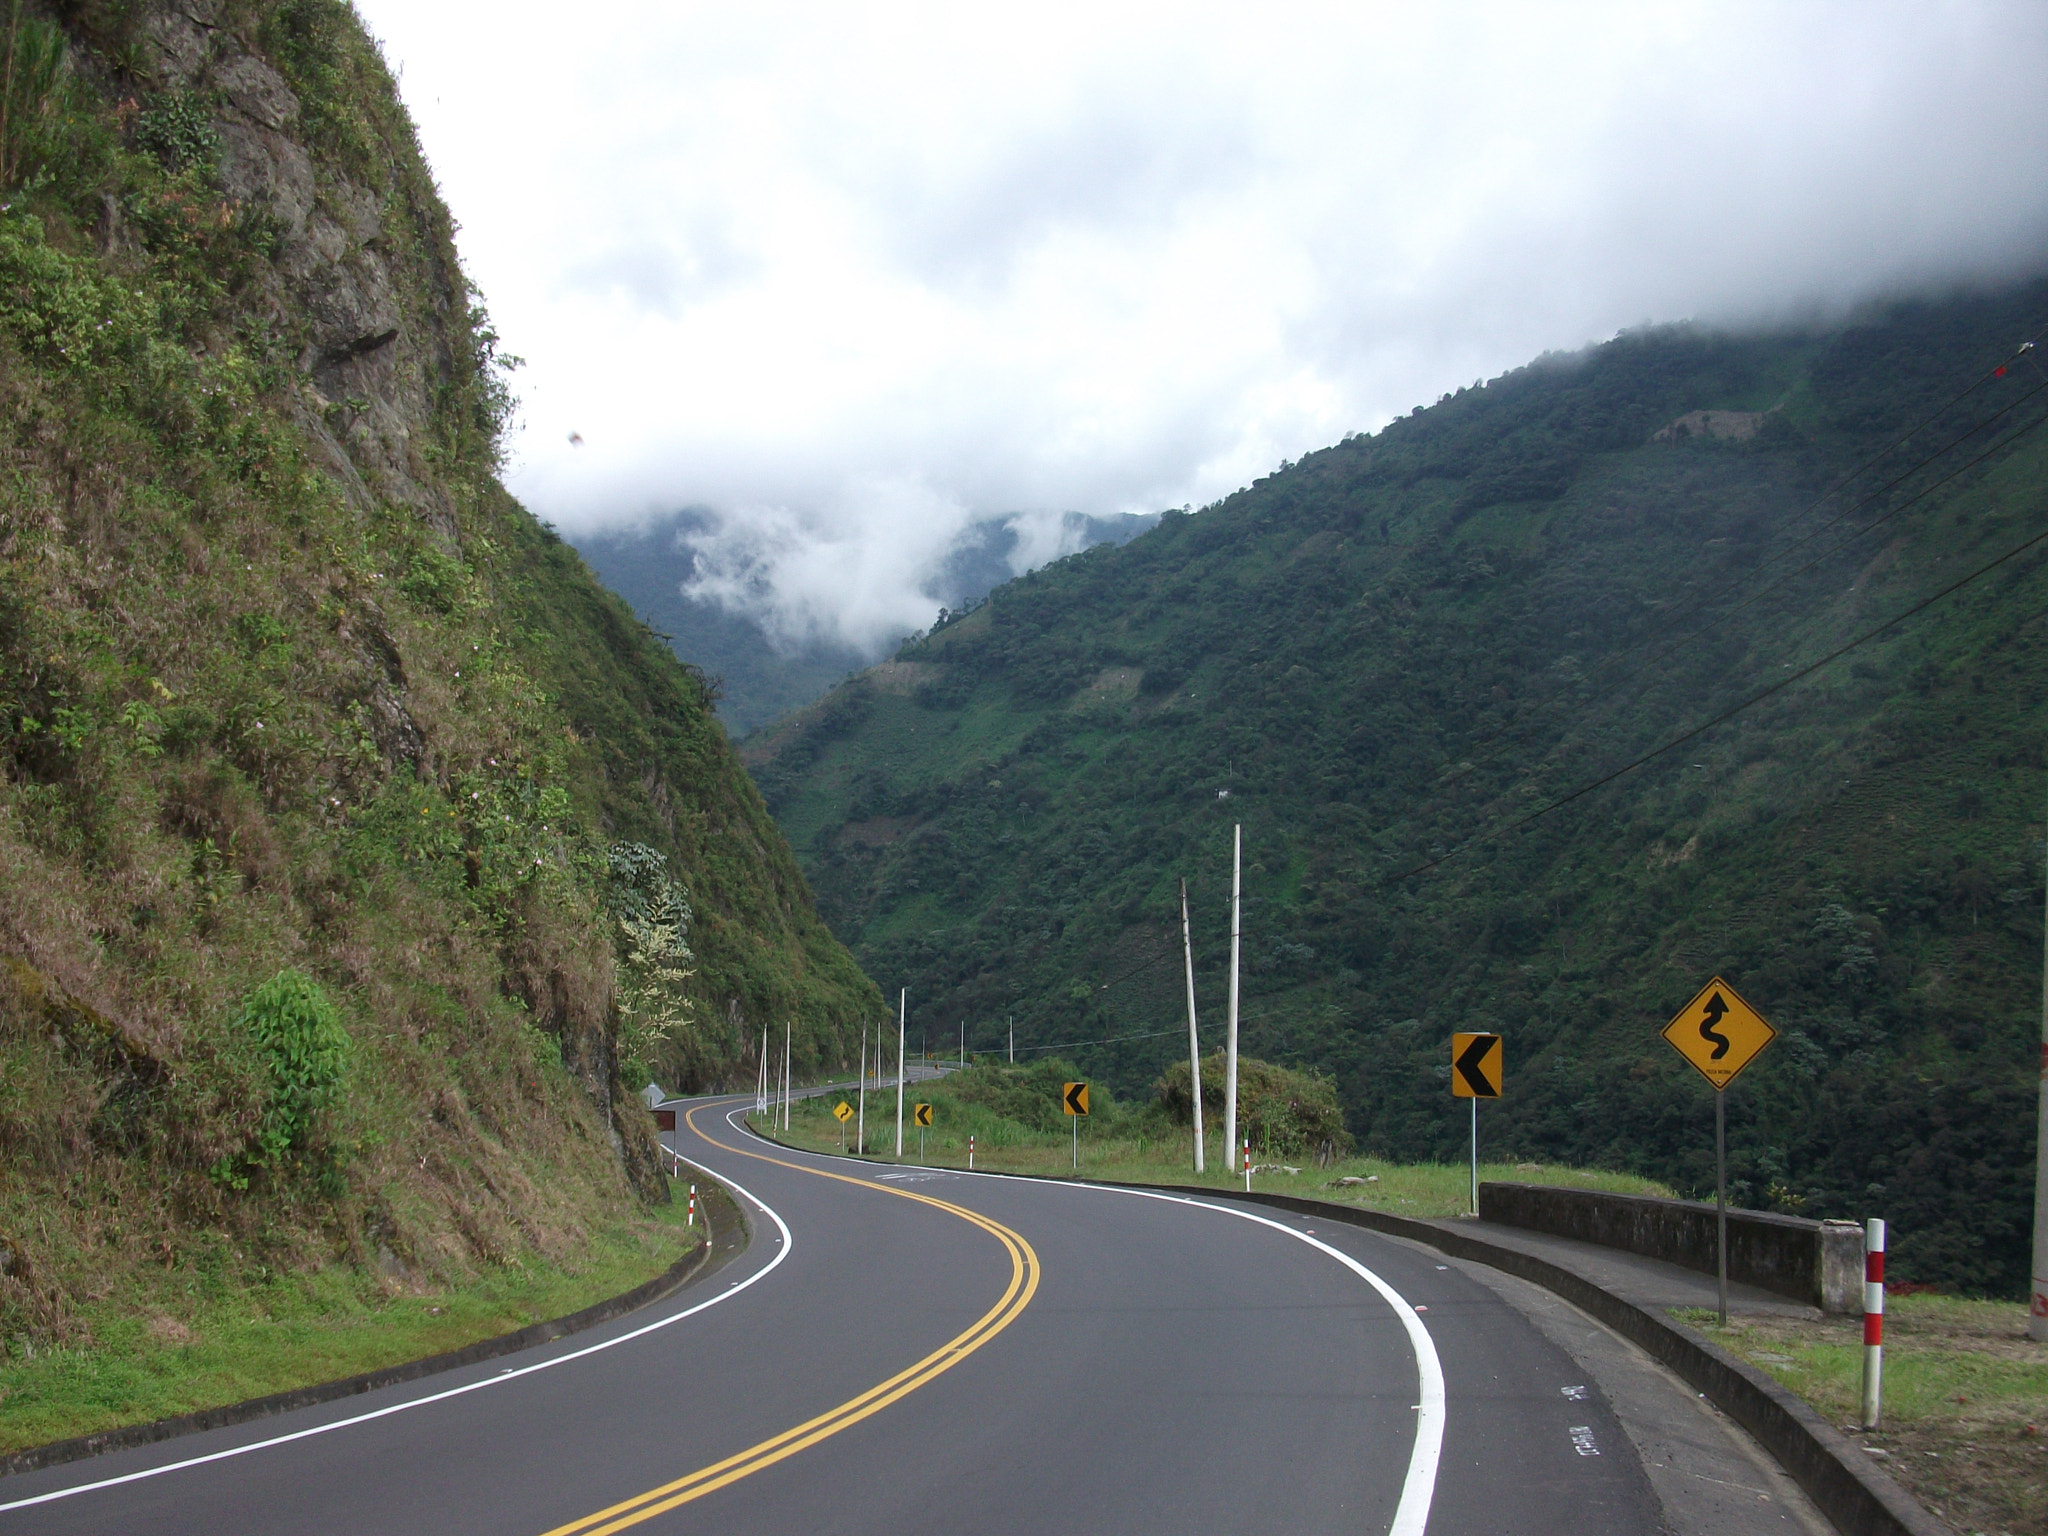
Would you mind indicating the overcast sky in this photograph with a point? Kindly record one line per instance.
(851, 276)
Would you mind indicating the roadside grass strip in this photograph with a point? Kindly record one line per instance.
(503, 1378)
(1016, 1296)
(1965, 1398)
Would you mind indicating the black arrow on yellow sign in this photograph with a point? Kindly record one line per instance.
(1476, 1060)
(1076, 1098)
(1716, 1008)
(924, 1114)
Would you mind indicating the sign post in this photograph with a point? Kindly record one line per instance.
(1719, 1034)
(1873, 1321)
(1074, 1100)
(1475, 1075)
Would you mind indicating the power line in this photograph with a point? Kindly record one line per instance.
(1728, 714)
(1105, 1040)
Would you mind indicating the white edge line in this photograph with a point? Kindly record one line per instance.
(788, 1243)
(1418, 1489)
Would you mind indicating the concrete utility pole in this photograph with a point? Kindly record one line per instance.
(860, 1133)
(2037, 1306)
(902, 1015)
(1230, 1040)
(1187, 945)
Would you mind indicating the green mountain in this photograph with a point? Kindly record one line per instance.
(1391, 661)
(361, 853)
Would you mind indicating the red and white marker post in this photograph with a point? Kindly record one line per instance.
(970, 1152)
(1247, 1167)
(693, 1206)
(1873, 1320)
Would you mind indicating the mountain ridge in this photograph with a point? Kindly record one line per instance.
(1388, 653)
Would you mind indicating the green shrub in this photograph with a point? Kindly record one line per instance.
(291, 1019)
(178, 131)
(1279, 1110)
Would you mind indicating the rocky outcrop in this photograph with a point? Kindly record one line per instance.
(1735, 426)
(335, 280)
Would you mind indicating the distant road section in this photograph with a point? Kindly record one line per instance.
(906, 1349)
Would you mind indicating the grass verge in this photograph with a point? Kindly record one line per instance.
(1965, 1399)
(1135, 1148)
(305, 1328)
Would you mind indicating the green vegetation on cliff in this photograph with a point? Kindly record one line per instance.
(359, 855)
(1392, 651)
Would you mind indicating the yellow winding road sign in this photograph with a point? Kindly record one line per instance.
(842, 1111)
(1719, 1033)
(1475, 1066)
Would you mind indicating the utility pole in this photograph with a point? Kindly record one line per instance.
(2037, 1308)
(788, 1029)
(762, 1106)
(902, 1014)
(860, 1133)
(1012, 1022)
(1187, 945)
(1230, 1041)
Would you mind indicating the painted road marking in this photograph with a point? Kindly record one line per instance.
(785, 1247)
(1024, 1272)
(1418, 1488)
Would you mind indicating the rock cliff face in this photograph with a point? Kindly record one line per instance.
(335, 281)
(297, 703)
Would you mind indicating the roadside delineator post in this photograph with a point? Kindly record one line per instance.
(693, 1206)
(1873, 1321)
(1247, 1165)
(970, 1152)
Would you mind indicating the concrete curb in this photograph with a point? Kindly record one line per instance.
(1856, 1497)
(665, 1284)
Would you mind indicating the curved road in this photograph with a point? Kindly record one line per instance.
(902, 1349)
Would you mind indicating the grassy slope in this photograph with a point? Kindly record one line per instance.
(287, 680)
(1387, 652)
(211, 1337)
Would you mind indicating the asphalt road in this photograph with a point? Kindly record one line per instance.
(912, 1350)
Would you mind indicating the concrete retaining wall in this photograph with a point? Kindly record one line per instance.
(1817, 1262)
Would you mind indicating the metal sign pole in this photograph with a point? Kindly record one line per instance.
(1475, 1157)
(1077, 1141)
(1721, 1198)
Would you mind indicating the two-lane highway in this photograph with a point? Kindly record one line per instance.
(908, 1349)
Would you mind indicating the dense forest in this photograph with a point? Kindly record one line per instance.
(1407, 665)
(361, 853)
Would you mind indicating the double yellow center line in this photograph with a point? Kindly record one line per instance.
(1016, 1296)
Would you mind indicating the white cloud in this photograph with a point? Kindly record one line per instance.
(852, 276)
